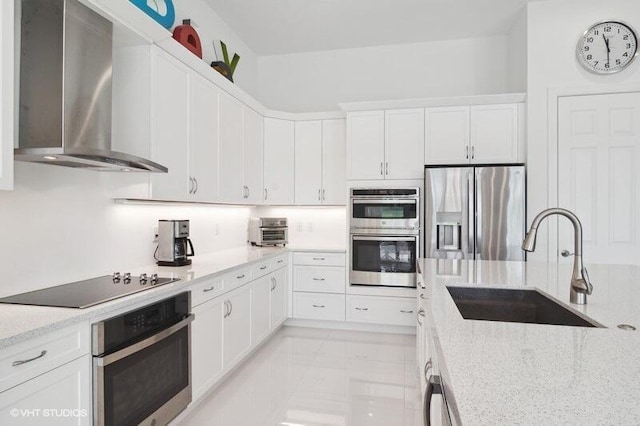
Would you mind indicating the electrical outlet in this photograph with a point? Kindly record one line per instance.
(299, 227)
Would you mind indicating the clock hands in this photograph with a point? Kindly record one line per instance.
(606, 42)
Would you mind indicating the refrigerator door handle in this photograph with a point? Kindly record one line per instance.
(471, 208)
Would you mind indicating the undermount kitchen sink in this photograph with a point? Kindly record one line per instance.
(510, 305)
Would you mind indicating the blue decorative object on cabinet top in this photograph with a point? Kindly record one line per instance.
(161, 11)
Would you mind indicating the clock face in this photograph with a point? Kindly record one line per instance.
(607, 47)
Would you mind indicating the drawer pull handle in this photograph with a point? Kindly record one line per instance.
(262, 268)
(207, 290)
(24, 361)
(362, 309)
(422, 296)
(318, 306)
(318, 279)
(406, 312)
(281, 260)
(240, 277)
(318, 258)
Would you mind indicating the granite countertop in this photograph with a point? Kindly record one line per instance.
(22, 322)
(513, 373)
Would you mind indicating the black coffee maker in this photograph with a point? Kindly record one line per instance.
(173, 239)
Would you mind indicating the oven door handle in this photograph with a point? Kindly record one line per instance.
(384, 201)
(358, 238)
(137, 347)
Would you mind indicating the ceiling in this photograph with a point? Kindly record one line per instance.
(272, 27)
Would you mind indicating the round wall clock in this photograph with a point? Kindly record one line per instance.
(607, 47)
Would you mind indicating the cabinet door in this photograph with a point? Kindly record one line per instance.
(447, 135)
(308, 162)
(6, 94)
(334, 152)
(206, 345)
(404, 144)
(230, 187)
(365, 145)
(252, 156)
(260, 309)
(494, 133)
(278, 161)
(170, 127)
(203, 139)
(64, 388)
(236, 326)
(279, 292)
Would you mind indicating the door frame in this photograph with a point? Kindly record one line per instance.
(553, 120)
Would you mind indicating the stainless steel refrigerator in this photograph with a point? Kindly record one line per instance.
(474, 212)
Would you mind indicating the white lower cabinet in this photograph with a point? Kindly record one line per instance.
(279, 294)
(318, 306)
(382, 310)
(62, 396)
(236, 328)
(206, 345)
(260, 309)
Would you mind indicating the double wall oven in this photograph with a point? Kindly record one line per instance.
(384, 236)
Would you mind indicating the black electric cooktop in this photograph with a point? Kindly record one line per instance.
(83, 294)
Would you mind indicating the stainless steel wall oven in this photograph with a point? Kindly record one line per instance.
(384, 236)
(142, 367)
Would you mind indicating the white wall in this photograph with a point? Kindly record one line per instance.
(60, 225)
(318, 81)
(553, 31)
(211, 27)
(517, 54)
(312, 226)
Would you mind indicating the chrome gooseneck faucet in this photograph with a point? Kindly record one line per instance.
(580, 283)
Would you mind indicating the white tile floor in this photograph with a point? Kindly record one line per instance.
(318, 377)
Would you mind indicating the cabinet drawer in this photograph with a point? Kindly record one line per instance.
(321, 279)
(237, 277)
(318, 306)
(21, 362)
(319, 259)
(206, 290)
(260, 269)
(382, 310)
(279, 262)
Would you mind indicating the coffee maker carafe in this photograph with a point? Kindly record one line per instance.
(173, 239)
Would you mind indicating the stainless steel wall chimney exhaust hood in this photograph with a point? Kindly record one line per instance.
(65, 89)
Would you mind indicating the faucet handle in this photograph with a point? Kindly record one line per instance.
(587, 280)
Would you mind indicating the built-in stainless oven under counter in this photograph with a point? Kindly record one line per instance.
(142, 364)
(384, 258)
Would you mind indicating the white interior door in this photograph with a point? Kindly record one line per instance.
(598, 177)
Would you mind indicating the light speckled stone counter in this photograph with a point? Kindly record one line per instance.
(22, 322)
(512, 373)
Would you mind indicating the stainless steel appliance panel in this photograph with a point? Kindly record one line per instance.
(449, 213)
(500, 212)
(385, 208)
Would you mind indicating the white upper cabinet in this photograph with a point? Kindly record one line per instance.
(494, 133)
(319, 162)
(334, 151)
(252, 147)
(385, 144)
(278, 161)
(447, 135)
(308, 162)
(231, 187)
(478, 134)
(170, 127)
(365, 145)
(6, 94)
(203, 139)
(404, 144)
